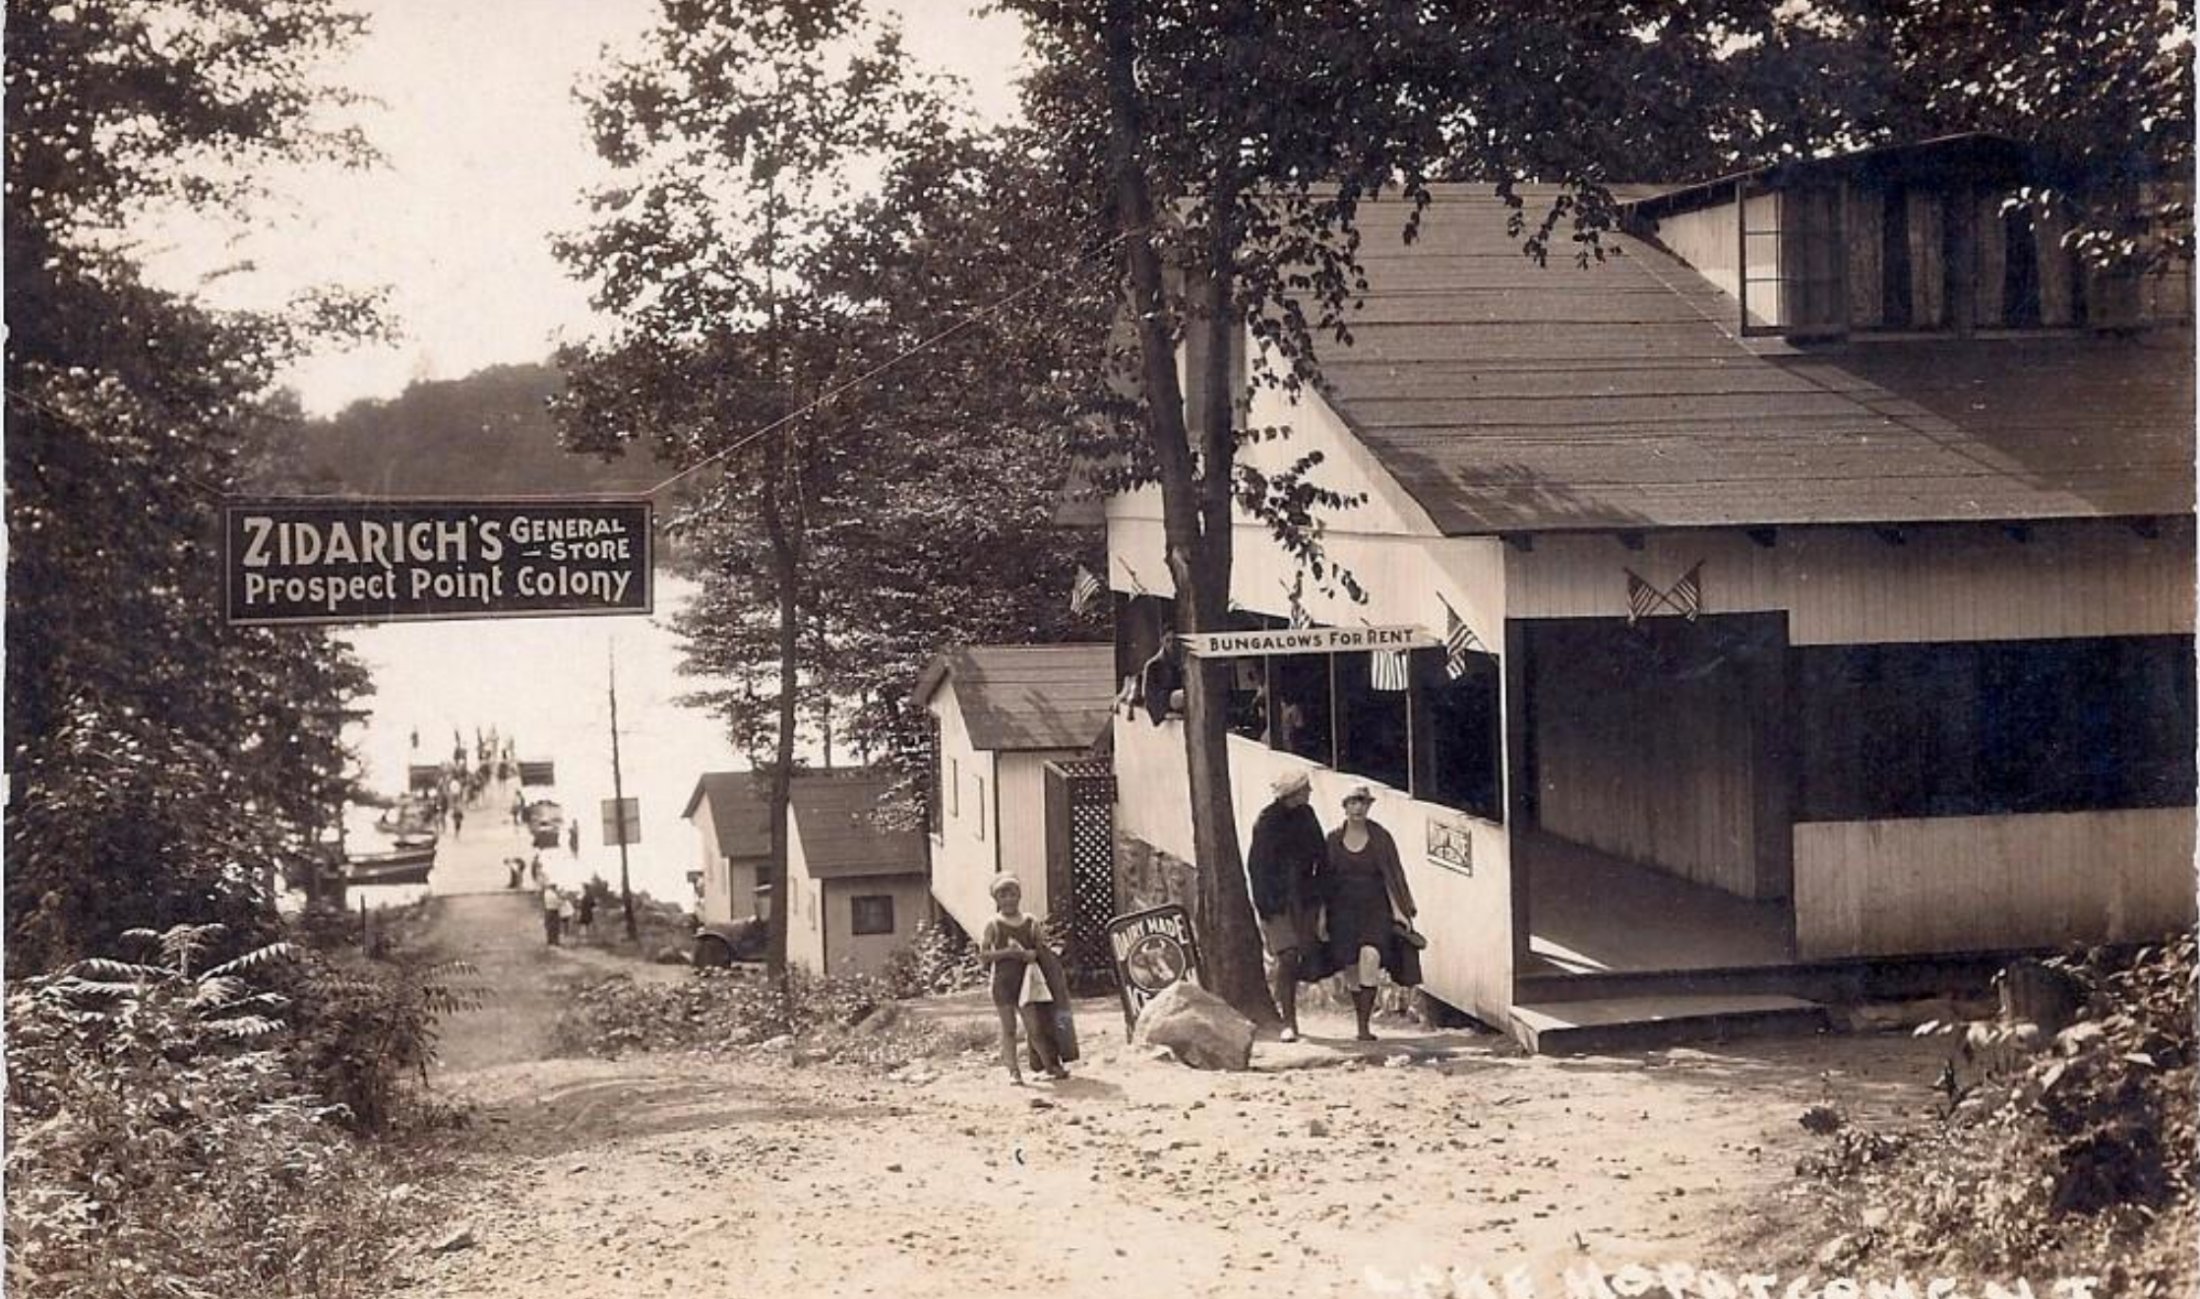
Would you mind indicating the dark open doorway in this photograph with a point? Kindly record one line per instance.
(1652, 794)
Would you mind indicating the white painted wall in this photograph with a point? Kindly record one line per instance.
(806, 907)
(963, 856)
(1976, 883)
(716, 905)
(853, 953)
(1844, 586)
(1468, 919)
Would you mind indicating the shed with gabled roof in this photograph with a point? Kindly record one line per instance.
(1000, 713)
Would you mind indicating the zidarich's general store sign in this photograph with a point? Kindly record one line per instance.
(1304, 640)
(392, 561)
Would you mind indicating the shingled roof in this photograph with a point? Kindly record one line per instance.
(1511, 398)
(740, 811)
(1027, 696)
(836, 814)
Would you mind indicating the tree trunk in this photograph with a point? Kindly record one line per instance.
(1196, 522)
(785, 569)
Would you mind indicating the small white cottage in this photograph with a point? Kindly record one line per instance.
(1001, 713)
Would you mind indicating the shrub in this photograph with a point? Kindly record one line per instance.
(162, 1138)
(939, 958)
(2084, 1157)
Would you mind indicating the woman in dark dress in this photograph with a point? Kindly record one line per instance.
(1364, 889)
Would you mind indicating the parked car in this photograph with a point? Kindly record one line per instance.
(722, 943)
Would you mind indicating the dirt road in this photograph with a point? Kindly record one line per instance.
(1325, 1171)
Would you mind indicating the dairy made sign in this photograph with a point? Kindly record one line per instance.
(1304, 640)
(396, 561)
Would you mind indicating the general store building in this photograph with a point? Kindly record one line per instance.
(1823, 563)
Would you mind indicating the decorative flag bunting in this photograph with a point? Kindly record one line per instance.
(1386, 670)
(1684, 598)
(1084, 591)
(1459, 641)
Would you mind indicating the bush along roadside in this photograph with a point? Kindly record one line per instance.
(196, 1120)
(2074, 1155)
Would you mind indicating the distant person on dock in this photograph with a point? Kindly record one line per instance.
(517, 869)
(534, 868)
(519, 809)
(553, 917)
(573, 838)
(458, 821)
(588, 913)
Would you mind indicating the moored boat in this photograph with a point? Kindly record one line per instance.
(405, 866)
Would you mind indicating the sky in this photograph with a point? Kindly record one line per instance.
(487, 158)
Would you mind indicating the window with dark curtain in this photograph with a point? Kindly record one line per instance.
(1299, 684)
(1372, 733)
(871, 914)
(1458, 736)
(1991, 728)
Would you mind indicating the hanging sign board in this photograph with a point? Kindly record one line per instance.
(1153, 949)
(321, 561)
(622, 821)
(1304, 640)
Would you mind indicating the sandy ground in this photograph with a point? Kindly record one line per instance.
(1328, 1170)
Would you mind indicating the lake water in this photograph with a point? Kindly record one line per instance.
(543, 683)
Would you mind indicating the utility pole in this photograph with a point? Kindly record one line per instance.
(618, 796)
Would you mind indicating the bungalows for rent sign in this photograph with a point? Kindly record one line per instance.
(393, 561)
(1304, 640)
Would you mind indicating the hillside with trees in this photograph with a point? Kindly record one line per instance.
(488, 434)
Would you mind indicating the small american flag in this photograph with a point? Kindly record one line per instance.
(1685, 598)
(1386, 670)
(1459, 641)
(1083, 591)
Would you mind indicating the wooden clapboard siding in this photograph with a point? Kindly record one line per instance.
(964, 856)
(1468, 918)
(1928, 264)
(1957, 884)
(1991, 261)
(1864, 225)
(1023, 820)
(1848, 586)
(1709, 240)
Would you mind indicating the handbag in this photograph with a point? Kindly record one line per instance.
(1412, 936)
(1035, 988)
(1403, 961)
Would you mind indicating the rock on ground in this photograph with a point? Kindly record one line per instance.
(1199, 1028)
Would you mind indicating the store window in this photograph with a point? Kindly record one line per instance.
(1995, 727)
(1373, 733)
(1299, 686)
(1458, 734)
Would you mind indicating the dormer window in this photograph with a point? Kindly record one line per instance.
(1931, 238)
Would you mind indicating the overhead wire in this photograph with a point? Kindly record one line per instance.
(912, 351)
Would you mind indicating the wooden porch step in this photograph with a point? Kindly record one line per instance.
(1639, 1023)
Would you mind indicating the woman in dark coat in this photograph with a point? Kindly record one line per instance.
(1364, 890)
